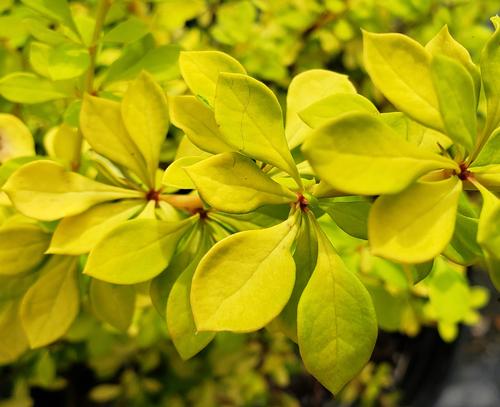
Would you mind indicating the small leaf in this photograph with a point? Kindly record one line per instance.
(490, 66)
(145, 115)
(23, 87)
(250, 119)
(114, 304)
(416, 224)
(67, 61)
(336, 321)
(127, 31)
(120, 258)
(13, 341)
(45, 190)
(180, 322)
(457, 102)
(444, 44)
(102, 126)
(15, 138)
(357, 153)
(350, 214)
(201, 69)
(197, 120)
(490, 153)
(335, 105)
(231, 182)
(80, 233)
(22, 247)
(51, 304)
(57, 10)
(400, 68)
(305, 255)
(304, 90)
(248, 274)
(175, 174)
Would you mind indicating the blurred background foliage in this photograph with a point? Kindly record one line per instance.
(96, 364)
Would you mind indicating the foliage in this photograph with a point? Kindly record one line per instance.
(323, 223)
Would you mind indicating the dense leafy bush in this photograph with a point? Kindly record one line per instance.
(318, 224)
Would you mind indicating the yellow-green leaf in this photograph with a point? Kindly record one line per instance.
(444, 44)
(114, 304)
(22, 247)
(45, 190)
(201, 69)
(490, 66)
(175, 174)
(197, 120)
(180, 322)
(15, 138)
(359, 154)
(457, 102)
(336, 322)
(416, 224)
(245, 280)
(231, 182)
(332, 106)
(51, 304)
(305, 89)
(250, 119)
(400, 68)
(145, 115)
(13, 341)
(102, 126)
(80, 233)
(121, 258)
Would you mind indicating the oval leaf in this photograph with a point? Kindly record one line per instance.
(248, 274)
(15, 138)
(417, 224)
(45, 190)
(359, 154)
(231, 182)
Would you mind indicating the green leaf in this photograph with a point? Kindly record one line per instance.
(250, 273)
(457, 102)
(400, 68)
(15, 138)
(114, 304)
(80, 233)
(201, 69)
(51, 304)
(145, 115)
(45, 190)
(67, 61)
(416, 224)
(102, 126)
(39, 58)
(180, 322)
(13, 341)
(197, 120)
(305, 255)
(336, 321)
(306, 89)
(57, 10)
(127, 31)
(22, 247)
(250, 119)
(488, 233)
(161, 62)
(24, 87)
(490, 153)
(384, 163)
(488, 176)
(350, 214)
(120, 258)
(444, 44)
(231, 182)
(335, 105)
(490, 66)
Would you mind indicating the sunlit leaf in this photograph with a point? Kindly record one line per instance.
(15, 138)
